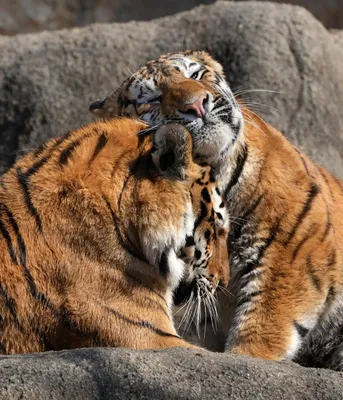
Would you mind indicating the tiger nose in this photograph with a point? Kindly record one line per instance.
(197, 106)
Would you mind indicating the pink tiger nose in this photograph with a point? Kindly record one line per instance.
(197, 106)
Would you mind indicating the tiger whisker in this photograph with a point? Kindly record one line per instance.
(259, 106)
(225, 290)
(241, 92)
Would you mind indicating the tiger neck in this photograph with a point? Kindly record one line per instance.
(241, 177)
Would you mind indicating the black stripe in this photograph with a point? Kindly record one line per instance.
(332, 258)
(246, 298)
(24, 177)
(205, 195)
(302, 331)
(250, 266)
(130, 174)
(39, 150)
(41, 297)
(207, 234)
(252, 208)
(306, 209)
(24, 183)
(315, 280)
(130, 249)
(68, 151)
(11, 305)
(102, 141)
(37, 166)
(331, 295)
(202, 215)
(236, 227)
(163, 265)
(3, 348)
(309, 234)
(237, 172)
(189, 241)
(140, 323)
(141, 283)
(197, 254)
(7, 238)
(328, 223)
(303, 161)
(15, 227)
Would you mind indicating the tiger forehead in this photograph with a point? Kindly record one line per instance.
(168, 65)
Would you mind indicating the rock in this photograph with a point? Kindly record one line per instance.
(48, 80)
(22, 16)
(173, 374)
(329, 12)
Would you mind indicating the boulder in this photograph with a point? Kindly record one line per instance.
(48, 80)
(22, 16)
(173, 374)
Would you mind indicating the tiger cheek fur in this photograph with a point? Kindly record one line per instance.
(286, 236)
(88, 255)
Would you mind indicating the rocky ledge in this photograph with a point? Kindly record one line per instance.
(174, 374)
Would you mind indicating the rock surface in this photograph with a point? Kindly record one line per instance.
(48, 80)
(22, 16)
(173, 374)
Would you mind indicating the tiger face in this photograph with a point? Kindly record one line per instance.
(188, 87)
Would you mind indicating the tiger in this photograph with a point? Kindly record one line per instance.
(88, 255)
(285, 241)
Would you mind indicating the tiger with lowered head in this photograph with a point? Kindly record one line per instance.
(88, 255)
(286, 237)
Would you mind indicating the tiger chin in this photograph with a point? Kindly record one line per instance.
(286, 234)
(88, 255)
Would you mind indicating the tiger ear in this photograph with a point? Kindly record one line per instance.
(173, 151)
(106, 108)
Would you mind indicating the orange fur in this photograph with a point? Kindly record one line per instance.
(286, 240)
(80, 222)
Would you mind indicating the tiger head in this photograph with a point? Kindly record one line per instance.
(188, 87)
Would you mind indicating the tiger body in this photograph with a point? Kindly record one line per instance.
(88, 256)
(286, 236)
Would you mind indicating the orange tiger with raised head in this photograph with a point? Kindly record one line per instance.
(88, 255)
(286, 236)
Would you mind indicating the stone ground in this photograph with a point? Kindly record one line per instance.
(105, 374)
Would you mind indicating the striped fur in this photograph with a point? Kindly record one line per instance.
(286, 235)
(88, 255)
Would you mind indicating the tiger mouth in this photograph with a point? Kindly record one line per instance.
(200, 287)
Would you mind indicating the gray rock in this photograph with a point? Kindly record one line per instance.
(48, 80)
(22, 16)
(329, 12)
(173, 374)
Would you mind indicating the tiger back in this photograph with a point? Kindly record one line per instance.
(78, 218)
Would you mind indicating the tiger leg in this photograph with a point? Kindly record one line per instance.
(262, 336)
(116, 325)
(272, 322)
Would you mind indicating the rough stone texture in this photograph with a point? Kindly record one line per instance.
(329, 12)
(48, 80)
(21, 16)
(173, 374)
